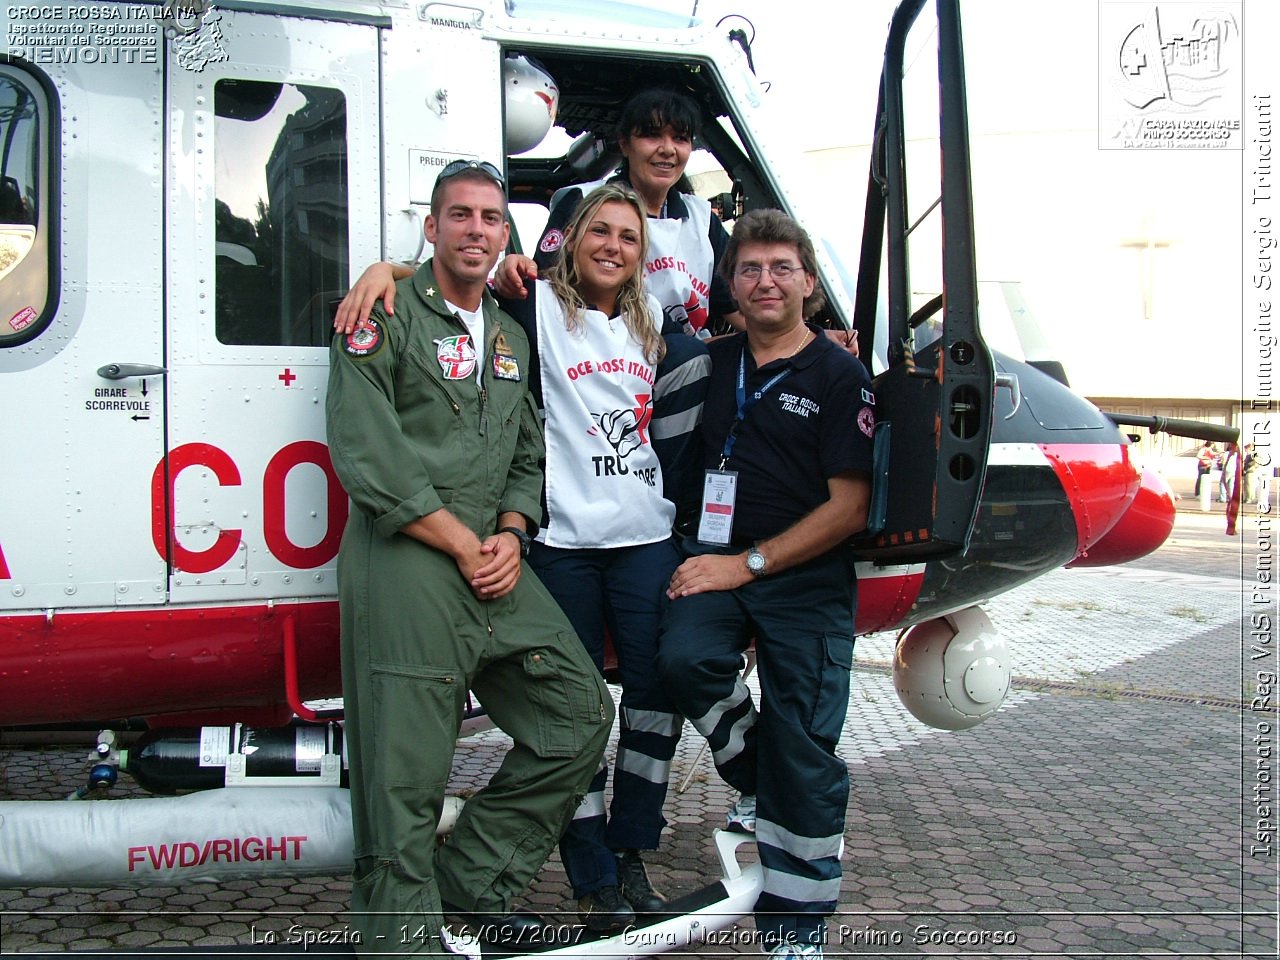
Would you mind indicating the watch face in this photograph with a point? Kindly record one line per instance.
(755, 562)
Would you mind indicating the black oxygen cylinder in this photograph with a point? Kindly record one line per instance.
(172, 760)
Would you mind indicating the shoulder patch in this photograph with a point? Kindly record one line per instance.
(866, 421)
(552, 241)
(365, 340)
(868, 397)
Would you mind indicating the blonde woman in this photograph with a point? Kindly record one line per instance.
(605, 550)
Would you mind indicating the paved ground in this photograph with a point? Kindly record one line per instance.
(1108, 811)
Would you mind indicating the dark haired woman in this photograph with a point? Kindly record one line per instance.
(655, 135)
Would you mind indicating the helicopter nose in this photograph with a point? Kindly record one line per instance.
(1100, 481)
(1141, 528)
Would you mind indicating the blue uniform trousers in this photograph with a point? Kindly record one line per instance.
(620, 589)
(802, 622)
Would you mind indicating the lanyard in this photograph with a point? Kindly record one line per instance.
(746, 401)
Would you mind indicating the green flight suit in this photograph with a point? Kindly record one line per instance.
(410, 432)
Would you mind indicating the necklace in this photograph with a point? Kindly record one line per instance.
(804, 335)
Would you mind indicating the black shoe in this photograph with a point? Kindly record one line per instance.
(604, 911)
(502, 929)
(633, 880)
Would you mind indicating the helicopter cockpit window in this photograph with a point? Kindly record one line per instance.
(725, 168)
(25, 221)
(281, 238)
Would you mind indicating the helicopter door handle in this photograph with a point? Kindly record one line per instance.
(877, 148)
(122, 371)
(1010, 380)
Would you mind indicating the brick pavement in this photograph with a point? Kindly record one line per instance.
(1097, 815)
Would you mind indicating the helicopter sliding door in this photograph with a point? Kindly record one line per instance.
(935, 400)
(81, 311)
(273, 180)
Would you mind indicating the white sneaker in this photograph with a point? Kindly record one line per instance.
(796, 951)
(742, 815)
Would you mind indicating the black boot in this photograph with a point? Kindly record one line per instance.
(633, 879)
(502, 929)
(604, 911)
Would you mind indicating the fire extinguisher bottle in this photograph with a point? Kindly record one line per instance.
(179, 760)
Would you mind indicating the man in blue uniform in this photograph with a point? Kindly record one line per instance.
(434, 436)
(787, 428)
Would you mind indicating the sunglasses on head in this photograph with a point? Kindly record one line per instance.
(457, 166)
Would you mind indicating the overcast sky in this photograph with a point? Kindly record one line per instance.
(1054, 213)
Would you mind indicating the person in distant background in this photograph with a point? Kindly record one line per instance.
(1230, 468)
(1231, 477)
(1249, 475)
(1205, 459)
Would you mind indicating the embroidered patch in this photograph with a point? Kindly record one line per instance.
(506, 367)
(867, 421)
(365, 339)
(457, 357)
(800, 406)
(868, 397)
(552, 241)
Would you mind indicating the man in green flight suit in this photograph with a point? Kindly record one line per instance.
(436, 440)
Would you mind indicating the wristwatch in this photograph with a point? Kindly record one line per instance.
(756, 562)
(522, 536)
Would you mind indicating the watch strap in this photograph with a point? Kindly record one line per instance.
(522, 536)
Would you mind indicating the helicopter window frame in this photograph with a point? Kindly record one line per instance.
(254, 259)
(32, 276)
(600, 81)
(725, 143)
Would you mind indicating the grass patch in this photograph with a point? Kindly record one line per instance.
(1070, 604)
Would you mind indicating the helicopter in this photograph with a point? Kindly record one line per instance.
(187, 190)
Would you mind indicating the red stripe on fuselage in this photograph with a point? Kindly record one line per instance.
(106, 664)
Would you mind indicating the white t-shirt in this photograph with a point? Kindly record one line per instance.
(474, 322)
(604, 482)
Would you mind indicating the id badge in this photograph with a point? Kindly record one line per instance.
(719, 491)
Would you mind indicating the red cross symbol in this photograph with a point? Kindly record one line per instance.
(288, 377)
(644, 413)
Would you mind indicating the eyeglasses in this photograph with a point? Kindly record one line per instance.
(457, 166)
(782, 272)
